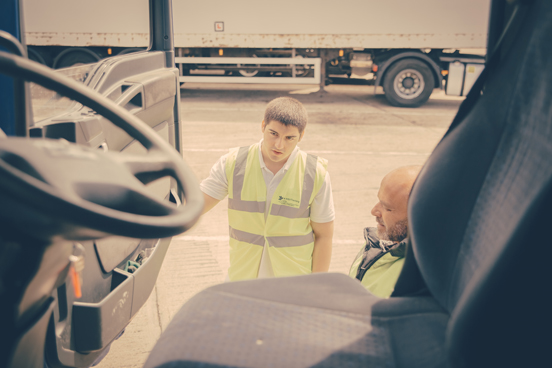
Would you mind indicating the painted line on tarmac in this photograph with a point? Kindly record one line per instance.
(367, 153)
(202, 238)
(261, 110)
(312, 111)
(226, 238)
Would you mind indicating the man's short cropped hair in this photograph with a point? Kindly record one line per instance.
(287, 111)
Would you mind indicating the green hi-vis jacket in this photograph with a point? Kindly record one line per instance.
(378, 266)
(286, 229)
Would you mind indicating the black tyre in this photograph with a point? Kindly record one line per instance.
(74, 57)
(248, 73)
(408, 83)
(35, 56)
(131, 50)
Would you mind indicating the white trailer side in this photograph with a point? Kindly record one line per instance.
(445, 24)
(289, 41)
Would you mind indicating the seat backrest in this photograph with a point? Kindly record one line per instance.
(479, 210)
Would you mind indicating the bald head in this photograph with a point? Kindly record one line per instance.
(400, 181)
(391, 209)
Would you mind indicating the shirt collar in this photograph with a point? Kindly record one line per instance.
(291, 158)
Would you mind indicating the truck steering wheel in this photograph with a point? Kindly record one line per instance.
(92, 193)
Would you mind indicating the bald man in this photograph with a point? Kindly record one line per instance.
(380, 261)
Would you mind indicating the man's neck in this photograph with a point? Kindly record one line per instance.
(274, 167)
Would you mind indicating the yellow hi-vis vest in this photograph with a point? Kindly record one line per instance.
(286, 230)
(380, 279)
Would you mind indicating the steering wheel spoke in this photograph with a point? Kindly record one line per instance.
(147, 168)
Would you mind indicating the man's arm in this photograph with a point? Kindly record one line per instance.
(210, 202)
(215, 184)
(322, 254)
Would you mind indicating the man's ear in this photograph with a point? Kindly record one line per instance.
(263, 125)
(301, 135)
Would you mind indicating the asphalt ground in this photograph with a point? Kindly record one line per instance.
(352, 126)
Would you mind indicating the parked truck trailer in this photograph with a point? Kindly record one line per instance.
(407, 47)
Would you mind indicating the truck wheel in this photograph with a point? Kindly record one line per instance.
(35, 56)
(408, 83)
(74, 57)
(131, 50)
(249, 72)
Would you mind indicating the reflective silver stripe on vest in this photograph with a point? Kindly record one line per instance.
(290, 241)
(247, 206)
(247, 237)
(289, 212)
(239, 172)
(308, 187)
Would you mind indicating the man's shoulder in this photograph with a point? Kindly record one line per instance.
(233, 152)
(236, 149)
(321, 163)
(302, 152)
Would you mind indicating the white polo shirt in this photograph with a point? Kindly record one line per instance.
(322, 208)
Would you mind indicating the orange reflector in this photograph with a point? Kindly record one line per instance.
(444, 72)
(374, 68)
(76, 282)
(109, 51)
(221, 52)
(340, 52)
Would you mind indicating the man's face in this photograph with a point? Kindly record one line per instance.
(279, 141)
(390, 211)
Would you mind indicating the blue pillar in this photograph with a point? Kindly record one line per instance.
(9, 22)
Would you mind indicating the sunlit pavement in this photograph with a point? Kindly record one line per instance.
(361, 135)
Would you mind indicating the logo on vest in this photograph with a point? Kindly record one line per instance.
(288, 202)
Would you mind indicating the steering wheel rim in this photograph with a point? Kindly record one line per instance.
(104, 218)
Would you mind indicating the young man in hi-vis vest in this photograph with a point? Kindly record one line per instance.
(280, 204)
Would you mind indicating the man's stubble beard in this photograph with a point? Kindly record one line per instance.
(397, 233)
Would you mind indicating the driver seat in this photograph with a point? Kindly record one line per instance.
(473, 291)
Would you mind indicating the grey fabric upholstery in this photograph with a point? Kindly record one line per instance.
(474, 289)
(322, 320)
(486, 188)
